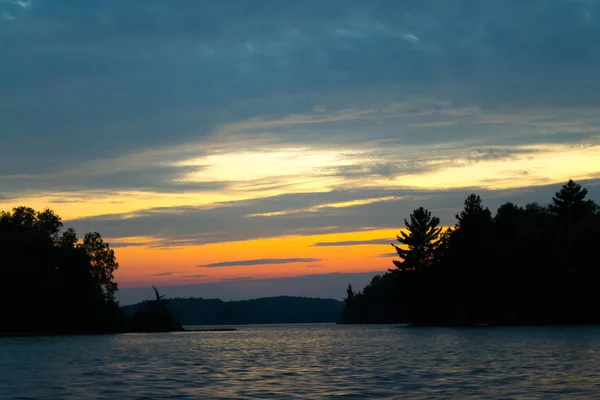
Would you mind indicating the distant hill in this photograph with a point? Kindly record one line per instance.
(268, 310)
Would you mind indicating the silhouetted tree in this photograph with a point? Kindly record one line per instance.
(53, 282)
(103, 263)
(50, 282)
(348, 305)
(473, 213)
(155, 316)
(526, 265)
(422, 241)
(269, 310)
(349, 295)
(569, 203)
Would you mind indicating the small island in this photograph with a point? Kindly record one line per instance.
(531, 265)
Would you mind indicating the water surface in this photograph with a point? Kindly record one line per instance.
(307, 361)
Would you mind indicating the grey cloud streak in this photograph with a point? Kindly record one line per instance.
(262, 261)
(151, 178)
(388, 255)
(353, 243)
(169, 273)
(229, 221)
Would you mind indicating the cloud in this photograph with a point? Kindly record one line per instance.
(355, 105)
(167, 273)
(102, 177)
(238, 278)
(485, 154)
(353, 243)
(263, 261)
(386, 169)
(229, 222)
(435, 124)
(126, 78)
(388, 255)
(196, 276)
(115, 244)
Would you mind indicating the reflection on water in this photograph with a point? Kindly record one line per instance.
(307, 361)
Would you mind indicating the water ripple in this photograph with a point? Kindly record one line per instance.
(307, 362)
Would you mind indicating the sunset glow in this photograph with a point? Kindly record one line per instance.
(186, 147)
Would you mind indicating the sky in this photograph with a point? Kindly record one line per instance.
(238, 141)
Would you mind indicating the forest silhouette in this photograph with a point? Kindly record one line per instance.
(266, 310)
(51, 282)
(525, 265)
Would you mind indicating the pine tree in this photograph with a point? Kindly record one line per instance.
(349, 312)
(570, 203)
(473, 213)
(423, 241)
(349, 295)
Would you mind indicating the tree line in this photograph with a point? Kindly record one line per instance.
(53, 282)
(268, 310)
(532, 264)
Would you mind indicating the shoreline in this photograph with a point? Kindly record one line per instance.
(40, 334)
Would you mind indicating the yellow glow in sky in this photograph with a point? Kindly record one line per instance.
(254, 165)
(86, 204)
(289, 171)
(552, 164)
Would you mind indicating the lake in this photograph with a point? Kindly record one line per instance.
(307, 361)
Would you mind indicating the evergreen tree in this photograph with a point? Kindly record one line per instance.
(526, 265)
(569, 203)
(349, 310)
(473, 213)
(422, 240)
(349, 295)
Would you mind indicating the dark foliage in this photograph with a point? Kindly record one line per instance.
(270, 310)
(50, 282)
(423, 242)
(153, 316)
(526, 265)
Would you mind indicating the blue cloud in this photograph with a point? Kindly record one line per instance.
(90, 80)
(106, 96)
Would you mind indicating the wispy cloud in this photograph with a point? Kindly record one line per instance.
(187, 226)
(168, 273)
(316, 208)
(262, 261)
(354, 243)
(307, 121)
(387, 255)
(435, 124)
(238, 278)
